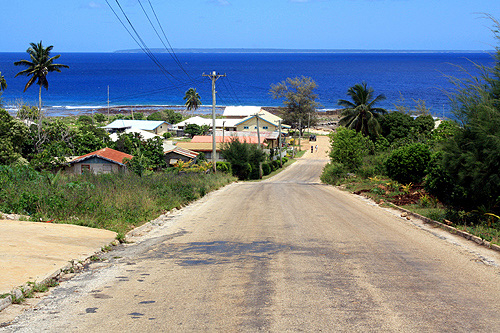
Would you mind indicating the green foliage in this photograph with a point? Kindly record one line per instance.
(408, 164)
(192, 98)
(266, 169)
(360, 114)
(148, 154)
(333, 172)
(85, 120)
(471, 157)
(348, 147)
(193, 129)
(223, 167)
(446, 130)
(299, 100)
(100, 118)
(244, 158)
(13, 137)
(424, 124)
(112, 201)
(396, 125)
(170, 116)
(27, 112)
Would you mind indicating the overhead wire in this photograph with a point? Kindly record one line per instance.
(143, 47)
(171, 51)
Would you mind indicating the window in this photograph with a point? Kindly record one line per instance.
(265, 127)
(245, 127)
(85, 168)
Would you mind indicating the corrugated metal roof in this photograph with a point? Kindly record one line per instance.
(227, 138)
(147, 125)
(105, 153)
(240, 111)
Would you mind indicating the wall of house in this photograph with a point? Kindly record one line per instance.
(172, 158)
(95, 165)
(161, 129)
(251, 125)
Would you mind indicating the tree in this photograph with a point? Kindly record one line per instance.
(348, 147)
(244, 158)
(361, 114)
(40, 65)
(13, 135)
(299, 100)
(471, 157)
(193, 129)
(192, 99)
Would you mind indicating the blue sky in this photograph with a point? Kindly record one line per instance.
(90, 25)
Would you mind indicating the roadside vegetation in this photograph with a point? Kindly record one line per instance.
(117, 202)
(450, 174)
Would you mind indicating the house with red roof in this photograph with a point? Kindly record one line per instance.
(104, 160)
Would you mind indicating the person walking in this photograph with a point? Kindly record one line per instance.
(312, 149)
(316, 148)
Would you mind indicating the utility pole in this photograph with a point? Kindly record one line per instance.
(300, 127)
(279, 141)
(214, 77)
(223, 128)
(258, 130)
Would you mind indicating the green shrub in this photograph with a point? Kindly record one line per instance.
(333, 172)
(275, 165)
(396, 125)
(349, 147)
(224, 167)
(408, 164)
(284, 159)
(266, 169)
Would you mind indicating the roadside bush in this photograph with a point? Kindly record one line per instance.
(266, 169)
(408, 164)
(284, 159)
(223, 167)
(275, 165)
(349, 147)
(396, 125)
(424, 124)
(333, 172)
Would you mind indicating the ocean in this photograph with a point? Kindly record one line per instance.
(135, 80)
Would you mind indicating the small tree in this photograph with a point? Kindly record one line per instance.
(244, 158)
(348, 147)
(299, 100)
(193, 129)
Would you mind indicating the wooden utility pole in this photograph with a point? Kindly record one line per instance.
(214, 77)
(300, 127)
(279, 141)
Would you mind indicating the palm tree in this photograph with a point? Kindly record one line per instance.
(40, 65)
(360, 114)
(3, 83)
(192, 98)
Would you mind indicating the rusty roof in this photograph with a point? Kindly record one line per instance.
(108, 154)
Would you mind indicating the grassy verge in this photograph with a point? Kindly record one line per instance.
(117, 202)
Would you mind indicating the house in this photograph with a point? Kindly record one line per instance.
(145, 135)
(202, 147)
(105, 160)
(228, 124)
(153, 126)
(240, 112)
(228, 137)
(174, 153)
(266, 123)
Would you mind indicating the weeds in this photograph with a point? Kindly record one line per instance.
(111, 201)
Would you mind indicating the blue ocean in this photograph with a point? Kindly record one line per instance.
(135, 79)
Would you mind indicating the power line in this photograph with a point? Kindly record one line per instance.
(143, 47)
(161, 40)
(168, 42)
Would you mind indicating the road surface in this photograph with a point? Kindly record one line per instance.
(284, 255)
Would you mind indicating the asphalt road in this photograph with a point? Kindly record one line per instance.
(286, 254)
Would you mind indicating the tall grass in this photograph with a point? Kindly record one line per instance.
(116, 202)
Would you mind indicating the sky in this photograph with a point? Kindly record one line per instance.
(91, 26)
